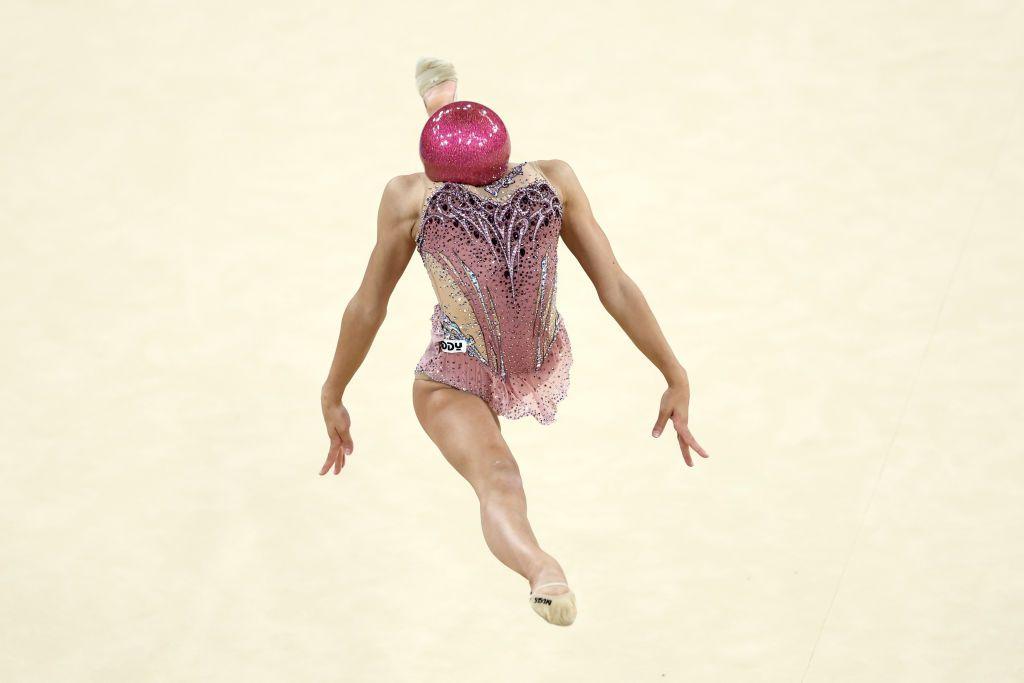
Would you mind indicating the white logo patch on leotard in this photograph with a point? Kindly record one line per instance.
(453, 345)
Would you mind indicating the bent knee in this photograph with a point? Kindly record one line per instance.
(499, 473)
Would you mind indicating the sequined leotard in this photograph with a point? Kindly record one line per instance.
(491, 253)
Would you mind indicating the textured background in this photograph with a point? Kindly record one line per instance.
(821, 201)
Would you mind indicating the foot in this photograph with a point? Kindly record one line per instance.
(555, 602)
(436, 81)
(438, 96)
(550, 595)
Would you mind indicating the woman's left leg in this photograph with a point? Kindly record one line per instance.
(468, 434)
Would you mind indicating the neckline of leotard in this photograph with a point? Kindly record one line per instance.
(494, 187)
(512, 170)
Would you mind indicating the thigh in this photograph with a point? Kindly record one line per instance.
(464, 427)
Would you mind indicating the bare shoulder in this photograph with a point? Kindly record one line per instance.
(399, 207)
(556, 169)
(561, 174)
(404, 193)
(556, 166)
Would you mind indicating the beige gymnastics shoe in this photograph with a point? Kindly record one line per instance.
(436, 82)
(431, 71)
(559, 609)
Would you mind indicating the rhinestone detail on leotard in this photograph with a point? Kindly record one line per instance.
(506, 180)
(492, 261)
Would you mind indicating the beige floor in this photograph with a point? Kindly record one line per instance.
(822, 201)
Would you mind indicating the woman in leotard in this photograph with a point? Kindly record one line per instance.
(487, 231)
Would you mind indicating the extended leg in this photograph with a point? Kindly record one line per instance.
(468, 433)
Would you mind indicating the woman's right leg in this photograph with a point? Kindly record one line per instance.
(468, 433)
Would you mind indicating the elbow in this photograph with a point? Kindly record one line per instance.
(371, 312)
(613, 287)
(611, 294)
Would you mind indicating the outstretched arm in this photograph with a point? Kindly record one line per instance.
(365, 312)
(622, 298)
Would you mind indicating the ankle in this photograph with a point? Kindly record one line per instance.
(438, 96)
(545, 569)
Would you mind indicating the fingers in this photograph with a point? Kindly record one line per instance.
(659, 424)
(328, 462)
(687, 440)
(344, 449)
(696, 446)
(685, 449)
(341, 446)
(332, 455)
(339, 461)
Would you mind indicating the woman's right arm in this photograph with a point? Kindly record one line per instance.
(365, 312)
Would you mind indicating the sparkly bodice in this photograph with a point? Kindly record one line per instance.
(491, 253)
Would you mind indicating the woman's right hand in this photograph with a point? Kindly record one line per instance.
(338, 429)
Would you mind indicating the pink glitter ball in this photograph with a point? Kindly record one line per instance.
(465, 142)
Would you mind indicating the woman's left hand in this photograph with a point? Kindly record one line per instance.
(675, 404)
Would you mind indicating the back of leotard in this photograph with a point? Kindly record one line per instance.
(491, 253)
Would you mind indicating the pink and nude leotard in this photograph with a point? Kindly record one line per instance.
(491, 253)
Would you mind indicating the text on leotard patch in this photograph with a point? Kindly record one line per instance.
(452, 345)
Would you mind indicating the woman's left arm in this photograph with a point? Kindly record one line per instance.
(622, 298)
